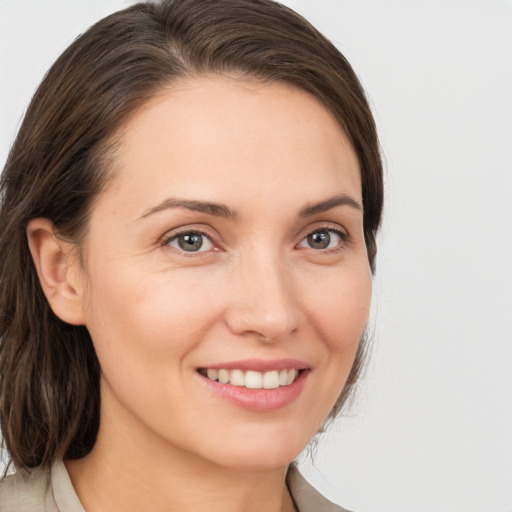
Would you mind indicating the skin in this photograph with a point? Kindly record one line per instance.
(257, 289)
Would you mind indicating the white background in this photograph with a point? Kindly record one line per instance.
(432, 430)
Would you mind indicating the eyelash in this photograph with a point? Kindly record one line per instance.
(327, 229)
(166, 241)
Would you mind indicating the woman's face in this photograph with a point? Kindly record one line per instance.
(230, 246)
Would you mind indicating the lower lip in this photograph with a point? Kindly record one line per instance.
(259, 400)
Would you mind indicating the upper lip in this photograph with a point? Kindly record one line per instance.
(260, 365)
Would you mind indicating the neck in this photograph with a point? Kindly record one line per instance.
(131, 469)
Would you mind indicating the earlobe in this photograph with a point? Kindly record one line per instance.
(58, 268)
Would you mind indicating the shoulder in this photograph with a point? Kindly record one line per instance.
(306, 497)
(40, 490)
(27, 492)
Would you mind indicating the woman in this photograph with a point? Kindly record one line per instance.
(187, 239)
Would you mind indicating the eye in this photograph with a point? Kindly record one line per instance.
(191, 241)
(323, 239)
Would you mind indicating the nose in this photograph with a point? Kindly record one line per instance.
(263, 303)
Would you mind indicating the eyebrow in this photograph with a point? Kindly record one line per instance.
(215, 209)
(328, 204)
(221, 210)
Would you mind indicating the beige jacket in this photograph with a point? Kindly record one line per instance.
(51, 491)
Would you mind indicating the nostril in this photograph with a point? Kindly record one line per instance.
(267, 328)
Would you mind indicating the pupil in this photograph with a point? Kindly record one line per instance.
(190, 242)
(319, 240)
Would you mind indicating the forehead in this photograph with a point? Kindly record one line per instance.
(200, 135)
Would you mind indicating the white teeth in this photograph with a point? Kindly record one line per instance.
(292, 375)
(223, 376)
(252, 379)
(212, 374)
(271, 380)
(237, 378)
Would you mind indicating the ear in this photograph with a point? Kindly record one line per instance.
(59, 271)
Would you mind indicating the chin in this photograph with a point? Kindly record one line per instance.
(265, 453)
(256, 462)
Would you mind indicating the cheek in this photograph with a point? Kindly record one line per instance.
(338, 312)
(339, 309)
(136, 317)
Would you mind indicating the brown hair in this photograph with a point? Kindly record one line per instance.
(49, 372)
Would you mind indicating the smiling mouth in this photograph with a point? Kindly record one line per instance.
(251, 379)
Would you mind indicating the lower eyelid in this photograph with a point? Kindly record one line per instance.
(166, 240)
(175, 236)
(337, 232)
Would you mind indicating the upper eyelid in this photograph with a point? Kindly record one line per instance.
(327, 226)
(216, 239)
(174, 233)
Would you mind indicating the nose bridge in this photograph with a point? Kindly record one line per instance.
(264, 302)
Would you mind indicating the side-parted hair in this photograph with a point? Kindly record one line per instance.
(60, 162)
